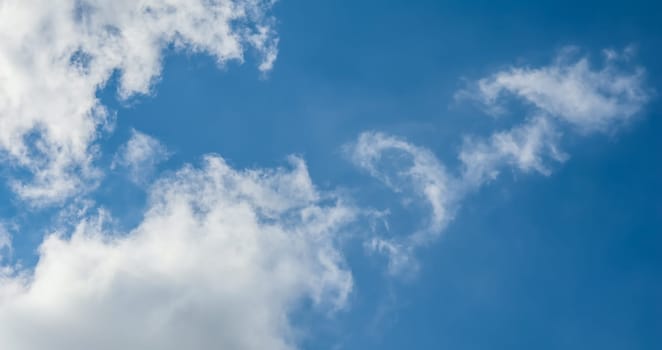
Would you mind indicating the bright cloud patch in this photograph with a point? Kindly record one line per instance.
(220, 260)
(592, 99)
(139, 156)
(55, 56)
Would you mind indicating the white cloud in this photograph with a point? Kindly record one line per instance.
(571, 89)
(567, 92)
(139, 156)
(424, 175)
(220, 260)
(406, 168)
(524, 147)
(55, 55)
(413, 170)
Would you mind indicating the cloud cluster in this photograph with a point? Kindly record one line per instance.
(567, 92)
(55, 56)
(220, 260)
(223, 256)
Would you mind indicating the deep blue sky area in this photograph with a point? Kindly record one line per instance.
(572, 260)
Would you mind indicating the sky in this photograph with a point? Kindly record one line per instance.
(258, 174)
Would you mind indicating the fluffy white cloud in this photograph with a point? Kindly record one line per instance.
(55, 55)
(220, 260)
(139, 156)
(571, 89)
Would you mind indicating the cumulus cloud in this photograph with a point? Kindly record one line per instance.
(220, 260)
(589, 98)
(56, 55)
(139, 156)
(568, 92)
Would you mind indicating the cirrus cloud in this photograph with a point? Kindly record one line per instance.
(567, 95)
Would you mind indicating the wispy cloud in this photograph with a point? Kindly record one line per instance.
(588, 98)
(219, 261)
(56, 55)
(405, 168)
(139, 156)
(568, 96)
(525, 147)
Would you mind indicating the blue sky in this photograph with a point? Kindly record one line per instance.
(465, 176)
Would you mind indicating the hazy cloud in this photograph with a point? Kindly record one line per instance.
(5, 243)
(139, 156)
